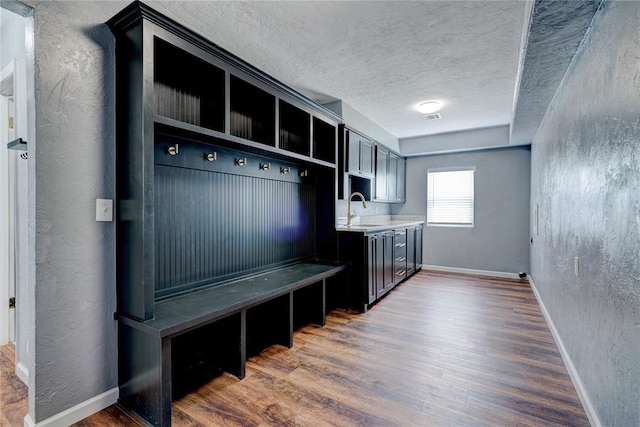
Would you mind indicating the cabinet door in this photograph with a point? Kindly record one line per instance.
(380, 271)
(401, 179)
(392, 174)
(382, 164)
(366, 156)
(387, 263)
(372, 268)
(419, 248)
(411, 250)
(353, 152)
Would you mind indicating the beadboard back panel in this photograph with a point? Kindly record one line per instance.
(216, 220)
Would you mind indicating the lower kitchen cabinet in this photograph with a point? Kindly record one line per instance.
(379, 261)
(384, 263)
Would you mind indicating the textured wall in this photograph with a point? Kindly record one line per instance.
(499, 239)
(586, 180)
(75, 334)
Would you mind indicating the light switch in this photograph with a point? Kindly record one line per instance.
(104, 210)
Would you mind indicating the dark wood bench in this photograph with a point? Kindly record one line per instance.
(146, 346)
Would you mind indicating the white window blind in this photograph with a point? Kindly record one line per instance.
(450, 197)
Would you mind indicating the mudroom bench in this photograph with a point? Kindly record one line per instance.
(216, 324)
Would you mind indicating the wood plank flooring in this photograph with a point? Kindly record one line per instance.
(439, 350)
(13, 392)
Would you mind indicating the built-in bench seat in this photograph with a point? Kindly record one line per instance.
(146, 378)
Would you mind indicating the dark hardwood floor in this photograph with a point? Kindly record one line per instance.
(13, 392)
(439, 350)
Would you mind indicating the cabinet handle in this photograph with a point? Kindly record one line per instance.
(401, 245)
(400, 273)
(401, 259)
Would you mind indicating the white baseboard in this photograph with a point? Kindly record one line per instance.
(573, 373)
(78, 412)
(23, 373)
(500, 274)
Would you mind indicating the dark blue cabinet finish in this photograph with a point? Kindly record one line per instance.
(224, 174)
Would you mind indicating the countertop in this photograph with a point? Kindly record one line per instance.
(367, 224)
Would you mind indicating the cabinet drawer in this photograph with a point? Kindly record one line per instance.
(400, 252)
(401, 237)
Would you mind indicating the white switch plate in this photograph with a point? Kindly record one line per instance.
(104, 210)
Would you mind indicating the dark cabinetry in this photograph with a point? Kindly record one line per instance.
(389, 176)
(178, 94)
(385, 274)
(360, 154)
(414, 249)
(379, 261)
(396, 178)
(222, 173)
(382, 170)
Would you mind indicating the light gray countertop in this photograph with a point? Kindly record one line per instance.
(373, 223)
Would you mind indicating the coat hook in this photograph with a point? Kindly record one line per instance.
(172, 149)
(285, 170)
(265, 166)
(210, 157)
(303, 173)
(241, 162)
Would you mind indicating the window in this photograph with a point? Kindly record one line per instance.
(450, 197)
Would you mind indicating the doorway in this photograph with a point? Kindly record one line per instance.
(16, 108)
(7, 213)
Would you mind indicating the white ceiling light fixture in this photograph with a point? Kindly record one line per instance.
(428, 107)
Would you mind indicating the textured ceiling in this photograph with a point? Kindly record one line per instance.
(382, 57)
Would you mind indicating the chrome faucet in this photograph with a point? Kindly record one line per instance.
(349, 214)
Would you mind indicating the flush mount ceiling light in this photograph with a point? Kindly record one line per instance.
(428, 107)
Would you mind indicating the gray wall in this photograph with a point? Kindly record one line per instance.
(586, 180)
(449, 142)
(75, 341)
(499, 239)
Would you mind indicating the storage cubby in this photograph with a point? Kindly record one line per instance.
(295, 129)
(324, 141)
(252, 112)
(186, 88)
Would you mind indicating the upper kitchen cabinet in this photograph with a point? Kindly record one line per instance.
(382, 170)
(370, 168)
(396, 178)
(360, 154)
(390, 176)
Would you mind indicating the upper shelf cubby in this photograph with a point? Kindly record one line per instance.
(192, 86)
(187, 88)
(253, 112)
(324, 141)
(295, 129)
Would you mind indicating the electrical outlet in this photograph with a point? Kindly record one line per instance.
(104, 210)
